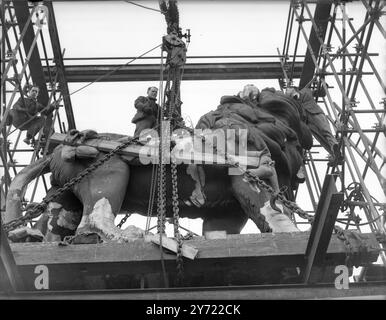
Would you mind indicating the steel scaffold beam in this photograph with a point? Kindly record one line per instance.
(193, 71)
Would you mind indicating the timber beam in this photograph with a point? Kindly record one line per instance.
(192, 71)
(237, 260)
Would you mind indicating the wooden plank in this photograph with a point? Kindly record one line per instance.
(187, 250)
(149, 153)
(322, 228)
(234, 246)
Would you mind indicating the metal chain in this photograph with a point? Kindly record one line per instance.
(161, 205)
(170, 106)
(39, 208)
(173, 94)
(122, 222)
(174, 102)
(177, 235)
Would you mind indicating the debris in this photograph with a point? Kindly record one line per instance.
(172, 245)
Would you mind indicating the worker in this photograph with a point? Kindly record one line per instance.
(30, 114)
(147, 111)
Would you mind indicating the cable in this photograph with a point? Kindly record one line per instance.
(114, 70)
(139, 5)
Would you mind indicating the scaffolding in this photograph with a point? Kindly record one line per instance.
(338, 59)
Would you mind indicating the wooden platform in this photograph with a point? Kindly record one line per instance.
(236, 260)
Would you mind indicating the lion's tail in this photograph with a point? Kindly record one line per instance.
(19, 184)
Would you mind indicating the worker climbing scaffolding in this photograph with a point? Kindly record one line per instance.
(28, 114)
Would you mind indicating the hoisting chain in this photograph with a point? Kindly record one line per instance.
(168, 112)
(177, 234)
(161, 201)
(173, 44)
(37, 209)
(122, 222)
(173, 101)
